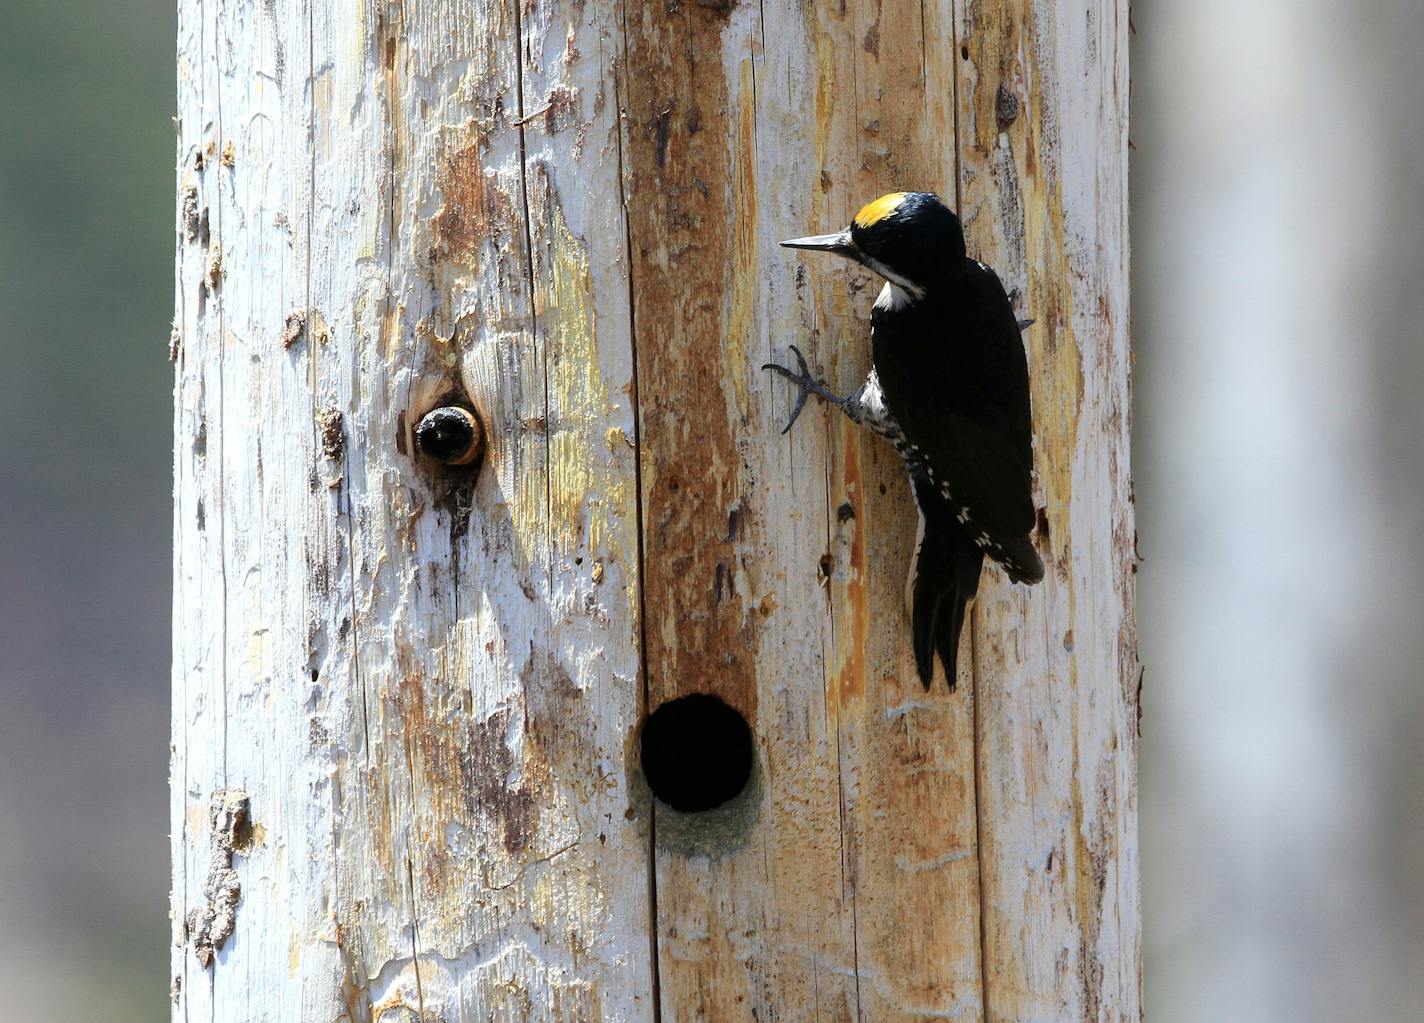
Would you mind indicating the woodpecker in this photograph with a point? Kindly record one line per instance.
(948, 387)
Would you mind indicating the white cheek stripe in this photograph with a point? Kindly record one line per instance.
(892, 297)
(904, 283)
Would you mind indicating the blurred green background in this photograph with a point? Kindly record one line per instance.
(86, 280)
(1277, 224)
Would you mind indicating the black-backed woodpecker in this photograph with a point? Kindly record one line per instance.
(949, 388)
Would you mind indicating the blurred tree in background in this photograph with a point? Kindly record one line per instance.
(86, 271)
(1278, 222)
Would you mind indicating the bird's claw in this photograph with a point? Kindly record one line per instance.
(802, 379)
(1023, 322)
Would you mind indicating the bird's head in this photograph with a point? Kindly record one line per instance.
(909, 238)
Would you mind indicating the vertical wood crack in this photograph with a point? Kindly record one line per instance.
(414, 931)
(215, 289)
(621, 64)
(519, 122)
(976, 690)
(954, 105)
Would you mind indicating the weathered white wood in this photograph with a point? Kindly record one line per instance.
(1043, 188)
(428, 693)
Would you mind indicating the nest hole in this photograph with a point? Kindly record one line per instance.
(696, 753)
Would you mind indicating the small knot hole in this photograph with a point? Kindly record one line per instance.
(450, 434)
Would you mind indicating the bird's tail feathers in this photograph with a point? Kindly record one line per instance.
(944, 578)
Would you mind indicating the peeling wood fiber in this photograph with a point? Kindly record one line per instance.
(427, 683)
(212, 923)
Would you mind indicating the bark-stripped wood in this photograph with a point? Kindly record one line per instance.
(427, 690)
(1043, 187)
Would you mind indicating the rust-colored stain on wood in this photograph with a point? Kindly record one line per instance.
(474, 207)
(491, 777)
(699, 636)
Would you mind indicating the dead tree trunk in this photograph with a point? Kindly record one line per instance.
(407, 695)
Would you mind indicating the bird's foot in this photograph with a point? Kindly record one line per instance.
(1023, 322)
(808, 385)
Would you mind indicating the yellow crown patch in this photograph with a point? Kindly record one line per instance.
(874, 212)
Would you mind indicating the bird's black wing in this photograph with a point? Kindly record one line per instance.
(962, 402)
(1007, 385)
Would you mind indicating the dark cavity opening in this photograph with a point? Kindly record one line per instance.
(450, 434)
(696, 753)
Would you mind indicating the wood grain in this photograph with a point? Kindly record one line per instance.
(426, 688)
(1043, 188)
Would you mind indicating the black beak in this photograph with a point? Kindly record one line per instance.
(839, 243)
